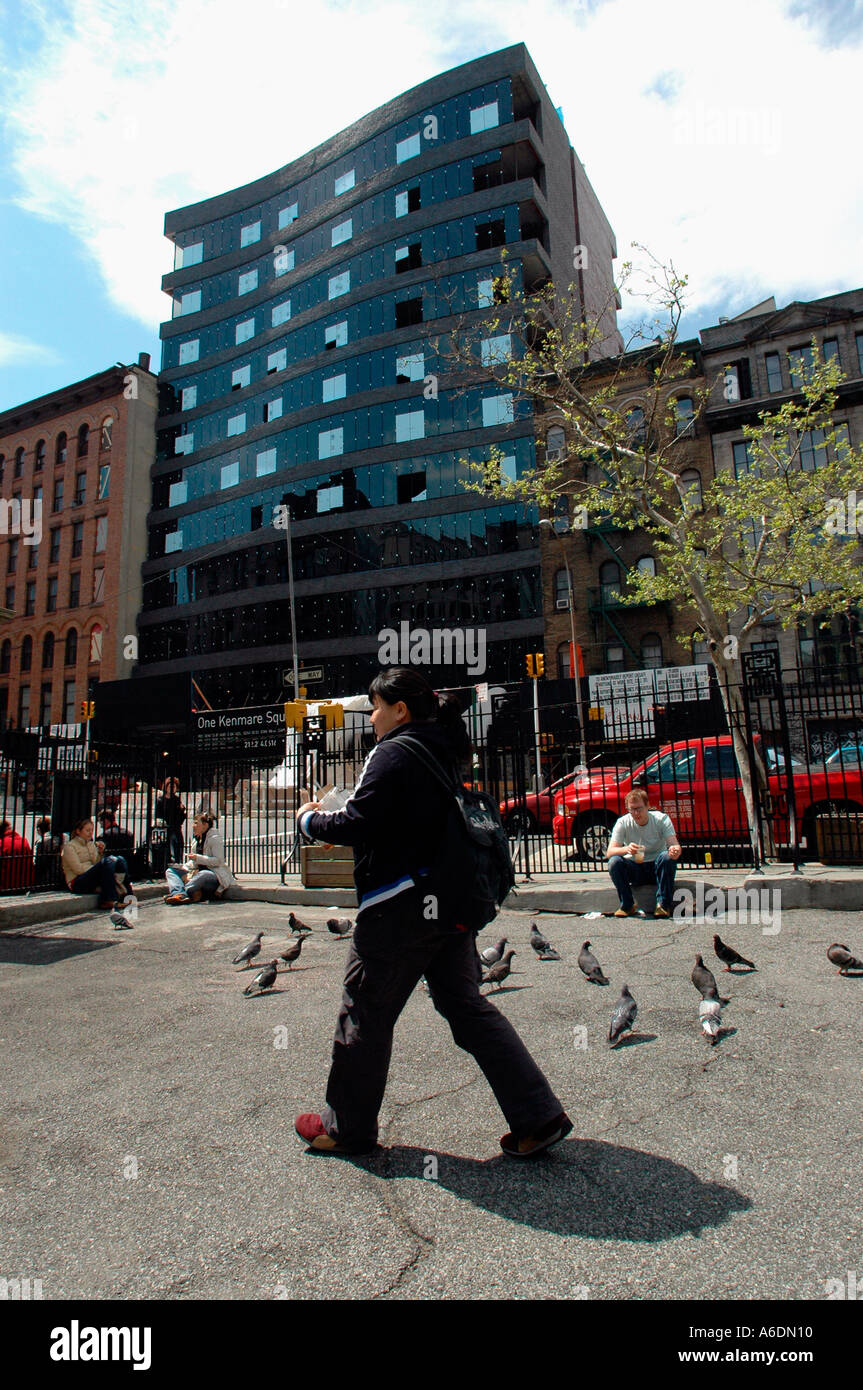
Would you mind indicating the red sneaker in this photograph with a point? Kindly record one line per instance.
(311, 1130)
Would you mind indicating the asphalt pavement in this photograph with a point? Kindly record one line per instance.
(147, 1146)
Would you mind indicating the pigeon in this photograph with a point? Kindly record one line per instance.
(728, 955)
(498, 973)
(293, 952)
(703, 979)
(265, 979)
(339, 926)
(543, 948)
(841, 956)
(590, 966)
(623, 1017)
(492, 954)
(249, 952)
(130, 908)
(297, 927)
(121, 922)
(710, 1013)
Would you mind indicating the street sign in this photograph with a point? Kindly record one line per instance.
(309, 675)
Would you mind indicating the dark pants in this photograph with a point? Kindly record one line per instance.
(101, 878)
(626, 875)
(392, 948)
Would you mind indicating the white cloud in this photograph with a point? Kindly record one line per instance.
(715, 138)
(16, 351)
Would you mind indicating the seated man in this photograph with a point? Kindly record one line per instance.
(115, 839)
(643, 849)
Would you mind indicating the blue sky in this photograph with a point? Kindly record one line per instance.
(721, 137)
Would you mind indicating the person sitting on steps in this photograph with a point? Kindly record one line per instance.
(643, 848)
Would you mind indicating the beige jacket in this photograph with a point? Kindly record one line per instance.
(213, 858)
(78, 856)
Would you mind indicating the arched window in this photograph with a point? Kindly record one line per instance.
(700, 651)
(555, 443)
(684, 416)
(19, 461)
(561, 589)
(609, 581)
(563, 670)
(95, 645)
(71, 654)
(651, 651)
(6, 658)
(27, 653)
(646, 565)
(635, 425)
(107, 428)
(60, 448)
(39, 456)
(47, 650)
(83, 440)
(690, 486)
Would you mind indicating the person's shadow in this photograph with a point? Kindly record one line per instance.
(585, 1188)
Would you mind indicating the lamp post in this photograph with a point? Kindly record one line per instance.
(582, 750)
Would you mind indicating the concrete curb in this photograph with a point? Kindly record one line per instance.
(785, 891)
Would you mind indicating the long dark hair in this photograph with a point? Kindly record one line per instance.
(404, 683)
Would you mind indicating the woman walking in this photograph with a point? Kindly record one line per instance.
(395, 823)
(206, 874)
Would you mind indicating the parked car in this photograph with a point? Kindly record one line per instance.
(850, 755)
(535, 810)
(697, 783)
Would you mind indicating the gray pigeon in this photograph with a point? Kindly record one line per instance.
(841, 956)
(339, 926)
(623, 1018)
(590, 966)
(710, 1014)
(293, 952)
(265, 979)
(543, 948)
(249, 952)
(492, 954)
(728, 955)
(297, 927)
(121, 923)
(498, 973)
(703, 979)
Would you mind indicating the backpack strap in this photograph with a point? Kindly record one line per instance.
(419, 750)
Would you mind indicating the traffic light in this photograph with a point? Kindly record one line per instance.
(535, 665)
(539, 660)
(88, 709)
(530, 670)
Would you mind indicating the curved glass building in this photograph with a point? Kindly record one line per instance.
(300, 370)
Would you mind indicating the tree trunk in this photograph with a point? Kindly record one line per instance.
(735, 712)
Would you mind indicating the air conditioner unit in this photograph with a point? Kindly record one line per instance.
(561, 603)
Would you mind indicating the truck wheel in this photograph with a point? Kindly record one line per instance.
(592, 836)
(518, 823)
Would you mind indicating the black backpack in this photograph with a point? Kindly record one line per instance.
(472, 872)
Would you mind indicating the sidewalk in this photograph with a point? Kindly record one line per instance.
(833, 888)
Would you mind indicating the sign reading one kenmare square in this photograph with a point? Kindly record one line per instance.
(259, 727)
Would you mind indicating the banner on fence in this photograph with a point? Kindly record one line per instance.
(628, 697)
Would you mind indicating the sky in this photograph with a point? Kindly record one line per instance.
(721, 137)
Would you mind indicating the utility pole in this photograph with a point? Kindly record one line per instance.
(582, 747)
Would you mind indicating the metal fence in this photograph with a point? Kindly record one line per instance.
(805, 736)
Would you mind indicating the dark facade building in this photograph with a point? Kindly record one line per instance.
(305, 367)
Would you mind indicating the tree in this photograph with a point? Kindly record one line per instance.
(778, 541)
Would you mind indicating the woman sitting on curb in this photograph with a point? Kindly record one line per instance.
(88, 869)
(205, 874)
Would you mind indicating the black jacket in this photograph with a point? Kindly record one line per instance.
(396, 817)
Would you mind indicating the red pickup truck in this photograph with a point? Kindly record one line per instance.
(697, 783)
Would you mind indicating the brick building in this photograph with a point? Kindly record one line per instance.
(74, 490)
(615, 636)
(761, 349)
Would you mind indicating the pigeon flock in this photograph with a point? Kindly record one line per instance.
(267, 976)
(496, 964)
